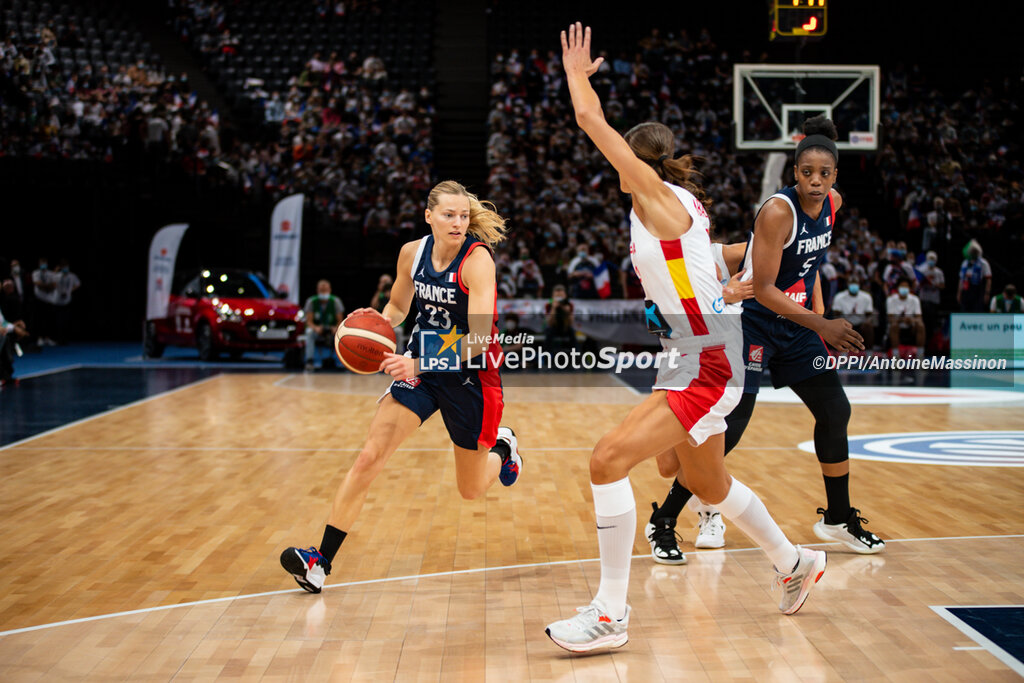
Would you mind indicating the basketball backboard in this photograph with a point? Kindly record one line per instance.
(771, 102)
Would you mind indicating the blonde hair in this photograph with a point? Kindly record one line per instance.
(484, 221)
(654, 143)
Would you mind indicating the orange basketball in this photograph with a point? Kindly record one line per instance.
(361, 341)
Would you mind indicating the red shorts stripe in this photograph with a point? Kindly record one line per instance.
(705, 390)
(494, 396)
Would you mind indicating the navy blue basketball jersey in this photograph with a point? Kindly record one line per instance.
(441, 298)
(802, 253)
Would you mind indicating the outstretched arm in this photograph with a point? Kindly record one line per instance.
(666, 217)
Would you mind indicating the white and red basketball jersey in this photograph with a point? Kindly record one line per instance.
(685, 308)
(684, 295)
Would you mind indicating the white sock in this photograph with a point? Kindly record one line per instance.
(616, 528)
(746, 511)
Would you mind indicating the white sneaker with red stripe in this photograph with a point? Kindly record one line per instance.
(591, 629)
(797, 585)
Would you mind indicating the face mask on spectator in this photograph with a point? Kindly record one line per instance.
(323, 297)
(930, 262)
(854, 288)
(904, 291)
(16, 270)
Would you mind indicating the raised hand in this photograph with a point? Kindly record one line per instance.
(576, 52)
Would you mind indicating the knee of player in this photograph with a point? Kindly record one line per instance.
(470, 491)
(709, 486)
(606, 456)
(668, 465)
(836, 412)
(369, 461)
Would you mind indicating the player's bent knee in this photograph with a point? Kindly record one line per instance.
(606, 460)
(708, 487)
(834, 413)
(369, 462)
(668, 464)
(470, 491)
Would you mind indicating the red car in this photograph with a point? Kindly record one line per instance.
(226, 309)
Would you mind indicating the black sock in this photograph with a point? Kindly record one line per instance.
(502, 448)
(331, 542)
(674, 503)
(837, 492)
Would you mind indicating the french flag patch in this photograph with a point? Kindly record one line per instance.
(828, 221)
(450, 277)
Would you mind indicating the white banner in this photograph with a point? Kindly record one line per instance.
(988, 335)
(163, 251)
(285, 243)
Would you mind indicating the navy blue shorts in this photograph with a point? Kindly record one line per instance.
(470, 401)
(786, 349)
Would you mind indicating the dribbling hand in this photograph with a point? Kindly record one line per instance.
(398, 366)
(367, 310)
(840, 335)
(576, 51)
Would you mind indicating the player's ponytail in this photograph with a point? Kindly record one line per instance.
(654, 143)
(485, 223)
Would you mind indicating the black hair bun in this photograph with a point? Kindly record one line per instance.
(819, 125)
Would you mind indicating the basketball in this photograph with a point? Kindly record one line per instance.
(361, 341)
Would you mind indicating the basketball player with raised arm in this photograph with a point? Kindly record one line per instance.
(449, 276)
(784, 330)
(687, 407)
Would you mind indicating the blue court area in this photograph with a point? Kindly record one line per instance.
(60, 385)
(1004, 626)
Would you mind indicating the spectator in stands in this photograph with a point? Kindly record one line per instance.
(530, 282)
(975, 280)
(67, 284)
(381, 297)
(18, 281)
(11, 302)
(581, 273)
(906, 325)
(559, 331)
(44, 282)
(932, 282)
(899, 266)
(273, 112)
(1007, 302)
(856, 306)
(10, 333)
(324, 312)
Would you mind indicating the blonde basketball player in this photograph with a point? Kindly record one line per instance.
(449, 276)
(691, 397)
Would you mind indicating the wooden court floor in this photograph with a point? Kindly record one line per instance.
(143, 544)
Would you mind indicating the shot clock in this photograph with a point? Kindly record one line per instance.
(799, 18)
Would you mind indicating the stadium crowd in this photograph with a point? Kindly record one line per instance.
(560, 193)
(59, 109)
(342, 133)
(360, 147)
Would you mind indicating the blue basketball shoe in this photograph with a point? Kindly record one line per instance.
(512, 465)
(308, 567)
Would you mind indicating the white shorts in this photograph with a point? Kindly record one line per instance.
(703, 388)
